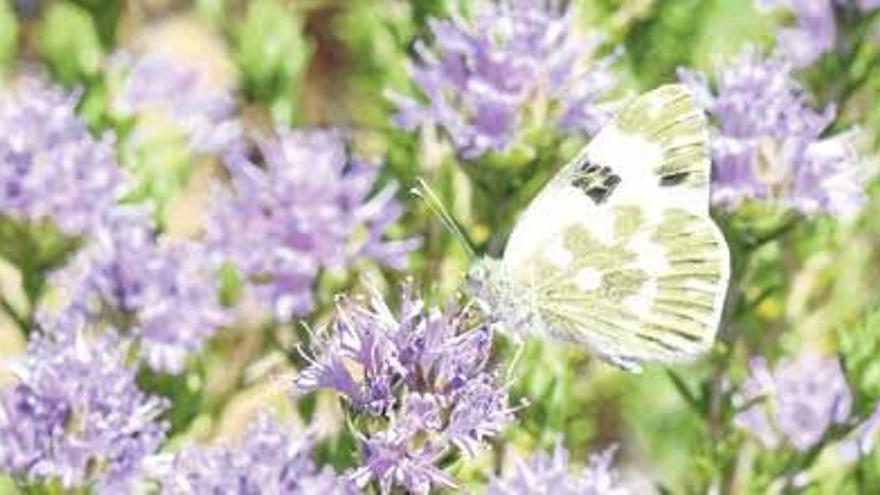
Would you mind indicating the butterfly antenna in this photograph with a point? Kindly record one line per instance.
(517, 357)
(423, 191)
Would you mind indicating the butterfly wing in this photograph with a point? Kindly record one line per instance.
(618, 251)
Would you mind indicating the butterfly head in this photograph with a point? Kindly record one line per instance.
(484, 281)
(489, 285)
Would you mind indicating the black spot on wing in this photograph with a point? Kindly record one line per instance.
(596, 181)
(674, 179)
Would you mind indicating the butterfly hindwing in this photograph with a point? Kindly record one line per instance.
(652, 291)
(618, 251)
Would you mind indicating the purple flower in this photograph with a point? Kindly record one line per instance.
(512, 66)
(185, 95)
(768, 144)
(478, 411)
(391, 459)
(310, 208)
(371, 352)
(267, 460)
(51, 168)
(814, 32)
(755, 394)
(159, 291)
(76, 415)
(798, 402)
(424, 374)
(550, 475)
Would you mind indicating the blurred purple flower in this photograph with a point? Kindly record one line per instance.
(768, 144)
(754, 394)
(425, 372)
(161, 292)
(478, 411)
(392, 460)
(546, 474)
(487, 77)
(76, 415)
(267, 460)
(51, 168)
(814, 32)
(815, 29)
(798, 402)
(310, 208)
(200, 109)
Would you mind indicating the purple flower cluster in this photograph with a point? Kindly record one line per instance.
(51, 168)
(868, 5)
(161, 292)
(199, 109)
(769, 143)
(550, 474)
(424, 373)
(815, 30)
(77, 416)
(797, 403)
(309, 208)
(813, 34)
(268, 459)
(510, 67)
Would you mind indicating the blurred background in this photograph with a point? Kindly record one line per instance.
(804, 281)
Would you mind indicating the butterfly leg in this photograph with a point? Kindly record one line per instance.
(625, 363)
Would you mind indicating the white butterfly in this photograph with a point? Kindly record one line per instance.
(618, 252)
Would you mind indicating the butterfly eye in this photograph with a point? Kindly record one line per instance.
(475, 277)
(472, 277)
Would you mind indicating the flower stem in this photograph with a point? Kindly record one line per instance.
(21, 321)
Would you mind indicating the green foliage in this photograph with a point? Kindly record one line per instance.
(69, 42)
(859, 346)
(665, 39)
(272, 54)
(184, 393)
(374, 35)
(8, 37)
(161, 163)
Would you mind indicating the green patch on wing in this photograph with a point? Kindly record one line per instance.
(608, 297)
(567, 306)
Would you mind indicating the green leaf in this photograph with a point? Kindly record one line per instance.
(272, 54)
(68, 41)
(160, 161)
(666, 39)
(8, 37)
(183, 391)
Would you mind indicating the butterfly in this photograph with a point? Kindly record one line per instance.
(618, 252)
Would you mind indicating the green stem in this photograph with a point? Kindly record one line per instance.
(785, 226)
(684, 391)
(21, 321)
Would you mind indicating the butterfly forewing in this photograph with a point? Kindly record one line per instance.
(618, 252)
